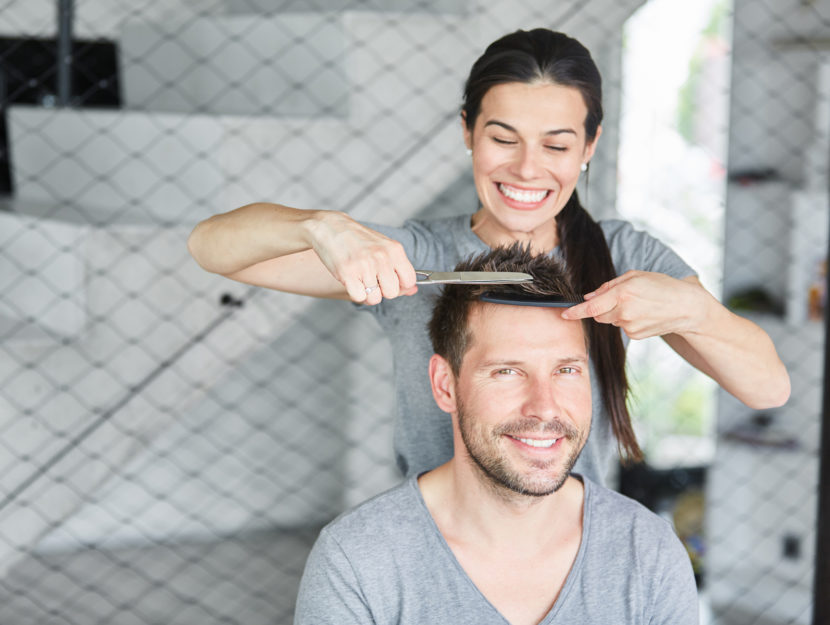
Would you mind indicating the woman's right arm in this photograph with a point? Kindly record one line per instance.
(309, 252)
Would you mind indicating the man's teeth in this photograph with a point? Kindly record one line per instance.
(521, 195)
(538, 443)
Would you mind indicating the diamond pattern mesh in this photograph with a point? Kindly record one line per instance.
(172, 441)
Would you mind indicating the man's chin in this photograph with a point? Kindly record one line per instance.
(540, 489)
(526, 485)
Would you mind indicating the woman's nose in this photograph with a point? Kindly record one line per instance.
(528, 163)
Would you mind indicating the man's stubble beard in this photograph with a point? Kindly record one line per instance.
(493, 463)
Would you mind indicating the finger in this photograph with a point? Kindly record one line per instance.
(374, 293)
(602, 288)
(580, 311)
(356, 290)
(607, 286)
(600, 305)
(610, 318)
(406, 275)
(387, 279)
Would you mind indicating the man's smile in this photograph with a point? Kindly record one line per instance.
(537, 442)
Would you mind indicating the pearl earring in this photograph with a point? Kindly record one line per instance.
(583, 167)
(469, 151)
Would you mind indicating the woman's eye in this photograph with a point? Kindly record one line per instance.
(557, 148)
(503, 141)
(568, 370)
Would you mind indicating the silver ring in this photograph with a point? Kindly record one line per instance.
(369, 289)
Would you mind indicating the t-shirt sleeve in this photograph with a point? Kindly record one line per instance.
(674, 599)
(422, 248)
(633, 249)
(330, 592)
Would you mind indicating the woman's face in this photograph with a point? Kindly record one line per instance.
(528, 146)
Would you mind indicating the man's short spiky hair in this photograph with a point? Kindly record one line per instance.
(448, 327)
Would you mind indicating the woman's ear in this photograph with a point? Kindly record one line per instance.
(591, 147)
(442, 380)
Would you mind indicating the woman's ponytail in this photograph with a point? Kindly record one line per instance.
(589, 264)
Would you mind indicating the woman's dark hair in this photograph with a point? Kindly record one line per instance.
(544, 56)
(536, 56)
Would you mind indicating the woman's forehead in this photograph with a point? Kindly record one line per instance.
(541, 104)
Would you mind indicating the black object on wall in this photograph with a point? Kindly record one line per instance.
(28, 75)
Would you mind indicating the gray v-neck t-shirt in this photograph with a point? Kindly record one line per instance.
(423, 433)
(386, 563)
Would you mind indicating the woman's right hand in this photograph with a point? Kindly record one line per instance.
(369, 265)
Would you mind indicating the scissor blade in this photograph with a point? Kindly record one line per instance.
(475, 277)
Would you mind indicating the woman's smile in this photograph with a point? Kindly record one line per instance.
(523, 198)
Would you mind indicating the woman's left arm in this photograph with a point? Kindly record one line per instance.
(733, 351)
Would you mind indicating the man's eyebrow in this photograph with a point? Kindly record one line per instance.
(556, 131)
(573, 360)
(567, 360)
(498, 362)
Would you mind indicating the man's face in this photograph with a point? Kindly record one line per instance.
(523, 396)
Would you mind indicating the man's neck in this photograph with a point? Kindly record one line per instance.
(465, 504)
(517, 553)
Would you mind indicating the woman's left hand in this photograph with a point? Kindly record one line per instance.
(733, 351)
(644, 304)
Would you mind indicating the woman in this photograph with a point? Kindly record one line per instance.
(531, 118)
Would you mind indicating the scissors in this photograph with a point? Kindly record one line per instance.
(471, 277)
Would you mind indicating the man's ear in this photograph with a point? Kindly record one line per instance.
(443, 383)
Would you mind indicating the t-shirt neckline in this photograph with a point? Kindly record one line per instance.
(573, 574)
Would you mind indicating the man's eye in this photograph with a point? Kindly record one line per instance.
(506, 372)
(568, 370)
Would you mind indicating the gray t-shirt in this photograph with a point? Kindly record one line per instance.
(386, 562)
(423, 433)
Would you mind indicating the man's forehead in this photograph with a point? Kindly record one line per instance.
(488, 318)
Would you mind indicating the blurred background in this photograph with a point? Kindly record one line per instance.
(171, 442)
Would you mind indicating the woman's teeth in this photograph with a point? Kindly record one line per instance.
(521, 195)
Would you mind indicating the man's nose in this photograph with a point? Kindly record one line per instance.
(541, 401)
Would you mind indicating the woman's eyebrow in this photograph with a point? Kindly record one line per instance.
(557, 131)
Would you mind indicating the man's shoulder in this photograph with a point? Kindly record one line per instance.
(633, 533)
(636, 559)
(387, 514)
(615, 510)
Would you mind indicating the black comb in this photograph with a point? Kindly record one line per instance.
(526, 299)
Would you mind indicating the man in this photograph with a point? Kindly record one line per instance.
(503, 532)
